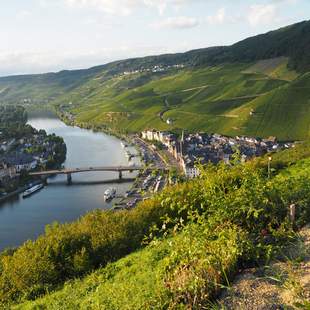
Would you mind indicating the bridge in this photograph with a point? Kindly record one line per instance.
(69, 171)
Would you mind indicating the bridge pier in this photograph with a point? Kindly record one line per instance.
(120, 175)
(69, 178)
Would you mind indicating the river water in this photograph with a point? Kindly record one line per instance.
(23, 219)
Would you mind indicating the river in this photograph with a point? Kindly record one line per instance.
(23, 219)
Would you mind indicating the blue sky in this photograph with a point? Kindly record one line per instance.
(51, 35)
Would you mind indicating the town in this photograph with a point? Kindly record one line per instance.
(23, 148)
(194, 149)
(154, 69)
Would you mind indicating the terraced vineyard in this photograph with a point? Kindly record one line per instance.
(231, 99)
(249, 88)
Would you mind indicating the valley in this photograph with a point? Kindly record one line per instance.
(248, 88)
(218, 215)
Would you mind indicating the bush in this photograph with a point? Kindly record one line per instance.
(182, 271)
(240, 195)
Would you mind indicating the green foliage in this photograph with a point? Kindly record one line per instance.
(284, 158)
(231, 215)
(13, 120)
(181, 271)
(12, 115)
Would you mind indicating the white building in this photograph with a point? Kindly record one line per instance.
(22, 162)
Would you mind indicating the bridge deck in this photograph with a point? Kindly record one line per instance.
(79, 170)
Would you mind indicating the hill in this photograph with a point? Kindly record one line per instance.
(193, 243)
(259, 86)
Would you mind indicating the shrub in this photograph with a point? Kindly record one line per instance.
(238, 194)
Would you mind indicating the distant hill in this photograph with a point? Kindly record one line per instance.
(251, 87)
(291, 41)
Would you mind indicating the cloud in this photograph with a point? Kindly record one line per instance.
(180, 22)
(21, 62)
(126, 7)
(22, 15)
(262, 14)
(255, 15)
(285, 1)
(121, 7)
(218, 18)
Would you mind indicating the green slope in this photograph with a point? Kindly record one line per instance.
(247, 88)
(142, 281)
(283, 112)
(186, 268)
(215, 99)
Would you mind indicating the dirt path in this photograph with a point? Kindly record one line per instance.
(194, 88)
(283, 284)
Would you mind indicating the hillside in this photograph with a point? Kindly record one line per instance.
(259, 86)
(225, 99)
(177, 250)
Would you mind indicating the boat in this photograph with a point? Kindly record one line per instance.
(109, 194)
(32, 190)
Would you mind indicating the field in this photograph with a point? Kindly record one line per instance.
(261, 100)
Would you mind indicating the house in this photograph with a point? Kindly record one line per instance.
(226, 158)
(21, 162)
(169, 121)
(6, 172)
(191, 171)
(156, 136)
(149, 135)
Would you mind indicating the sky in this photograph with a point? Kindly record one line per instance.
(51, 35)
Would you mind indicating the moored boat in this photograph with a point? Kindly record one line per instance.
(109, 194)
(32, 190)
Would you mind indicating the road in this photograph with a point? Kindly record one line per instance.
(167, 108)
(151, 154)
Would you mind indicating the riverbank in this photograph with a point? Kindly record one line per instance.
(23, 149)
(24, 219)
(69, 120)
(145, 184)
(20, 190)
(12, 194)
(203, 238)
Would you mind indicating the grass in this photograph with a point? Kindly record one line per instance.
(191, 262)
(258, 99)
(155, 277)
(215, 99)
(196, 235)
